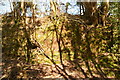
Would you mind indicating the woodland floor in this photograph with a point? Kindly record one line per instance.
(18, 69)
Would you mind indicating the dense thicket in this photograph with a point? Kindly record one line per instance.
(68, 43)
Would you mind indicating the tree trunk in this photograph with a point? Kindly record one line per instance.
(54, 7)
(103, 11)
(90, 12)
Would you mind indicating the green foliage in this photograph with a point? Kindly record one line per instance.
(66, 38)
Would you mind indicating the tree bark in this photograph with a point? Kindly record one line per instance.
(90, 12)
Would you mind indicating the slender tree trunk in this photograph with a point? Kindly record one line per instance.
(104, 8)
(27, 33)
(54, 7)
